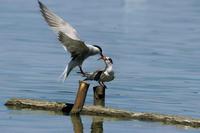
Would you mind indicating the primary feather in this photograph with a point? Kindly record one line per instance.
(57, 23)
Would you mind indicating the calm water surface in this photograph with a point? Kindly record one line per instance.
(155, 46)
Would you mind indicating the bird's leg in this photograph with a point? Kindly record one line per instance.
(103, 85)
(81, 71)
(100, 83)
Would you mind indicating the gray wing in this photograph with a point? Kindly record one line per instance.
(93, 75)
(75, 47)
(57, 23)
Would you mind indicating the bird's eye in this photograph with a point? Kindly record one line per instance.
(110, 60)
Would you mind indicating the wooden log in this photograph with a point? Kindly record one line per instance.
(99, 100)
(99, 96)
(80, 97)
(22, 103)
(106, 112)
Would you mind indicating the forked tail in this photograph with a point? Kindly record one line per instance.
(67, 70)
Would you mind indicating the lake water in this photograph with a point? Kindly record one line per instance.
(155, 46)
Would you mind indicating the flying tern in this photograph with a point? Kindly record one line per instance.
(70, 40)
(102, 76)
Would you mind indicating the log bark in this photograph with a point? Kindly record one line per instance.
(107, 112)
(80, 97)
(99, 100)
(99, 96)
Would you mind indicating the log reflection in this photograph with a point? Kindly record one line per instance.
(97, 125)
(77, 123)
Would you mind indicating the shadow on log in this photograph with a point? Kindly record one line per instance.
(106, 112)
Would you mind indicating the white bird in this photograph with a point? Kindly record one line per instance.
(102, 76)
(70, 40)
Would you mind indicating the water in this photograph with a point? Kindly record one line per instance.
(154, 45)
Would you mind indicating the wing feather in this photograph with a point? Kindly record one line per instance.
(57, 23)
(67, 35)
(75, 47)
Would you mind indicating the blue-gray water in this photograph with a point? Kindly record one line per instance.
(155, 46)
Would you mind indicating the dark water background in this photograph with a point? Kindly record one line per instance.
(155, 46)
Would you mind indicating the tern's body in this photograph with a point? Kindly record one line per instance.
(70, 40)
(102, 76)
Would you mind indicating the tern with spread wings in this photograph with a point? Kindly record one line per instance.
(70, 41)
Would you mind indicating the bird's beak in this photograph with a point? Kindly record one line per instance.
(102, 58)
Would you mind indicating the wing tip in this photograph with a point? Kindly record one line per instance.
(47, 15)
(42, 7)
(40, 4)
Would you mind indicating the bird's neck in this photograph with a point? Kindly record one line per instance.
(108, 68)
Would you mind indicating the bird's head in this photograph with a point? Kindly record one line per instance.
(99, 49)
(106, 59)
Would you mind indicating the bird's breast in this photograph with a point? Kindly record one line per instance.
(106, 77)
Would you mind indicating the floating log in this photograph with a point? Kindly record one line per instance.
(109, 112)
(80, 97)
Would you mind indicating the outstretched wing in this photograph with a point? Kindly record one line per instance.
(75, 47)
(57, 23)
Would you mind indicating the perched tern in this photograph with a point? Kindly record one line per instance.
(102, 76)
(70, 40)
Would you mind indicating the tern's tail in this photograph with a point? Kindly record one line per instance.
(88, 76)
(67, 70)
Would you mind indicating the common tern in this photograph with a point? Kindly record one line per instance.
(70, 40)
(102, 76)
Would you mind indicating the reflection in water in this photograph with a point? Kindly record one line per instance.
(96, 126)
(77, 123)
